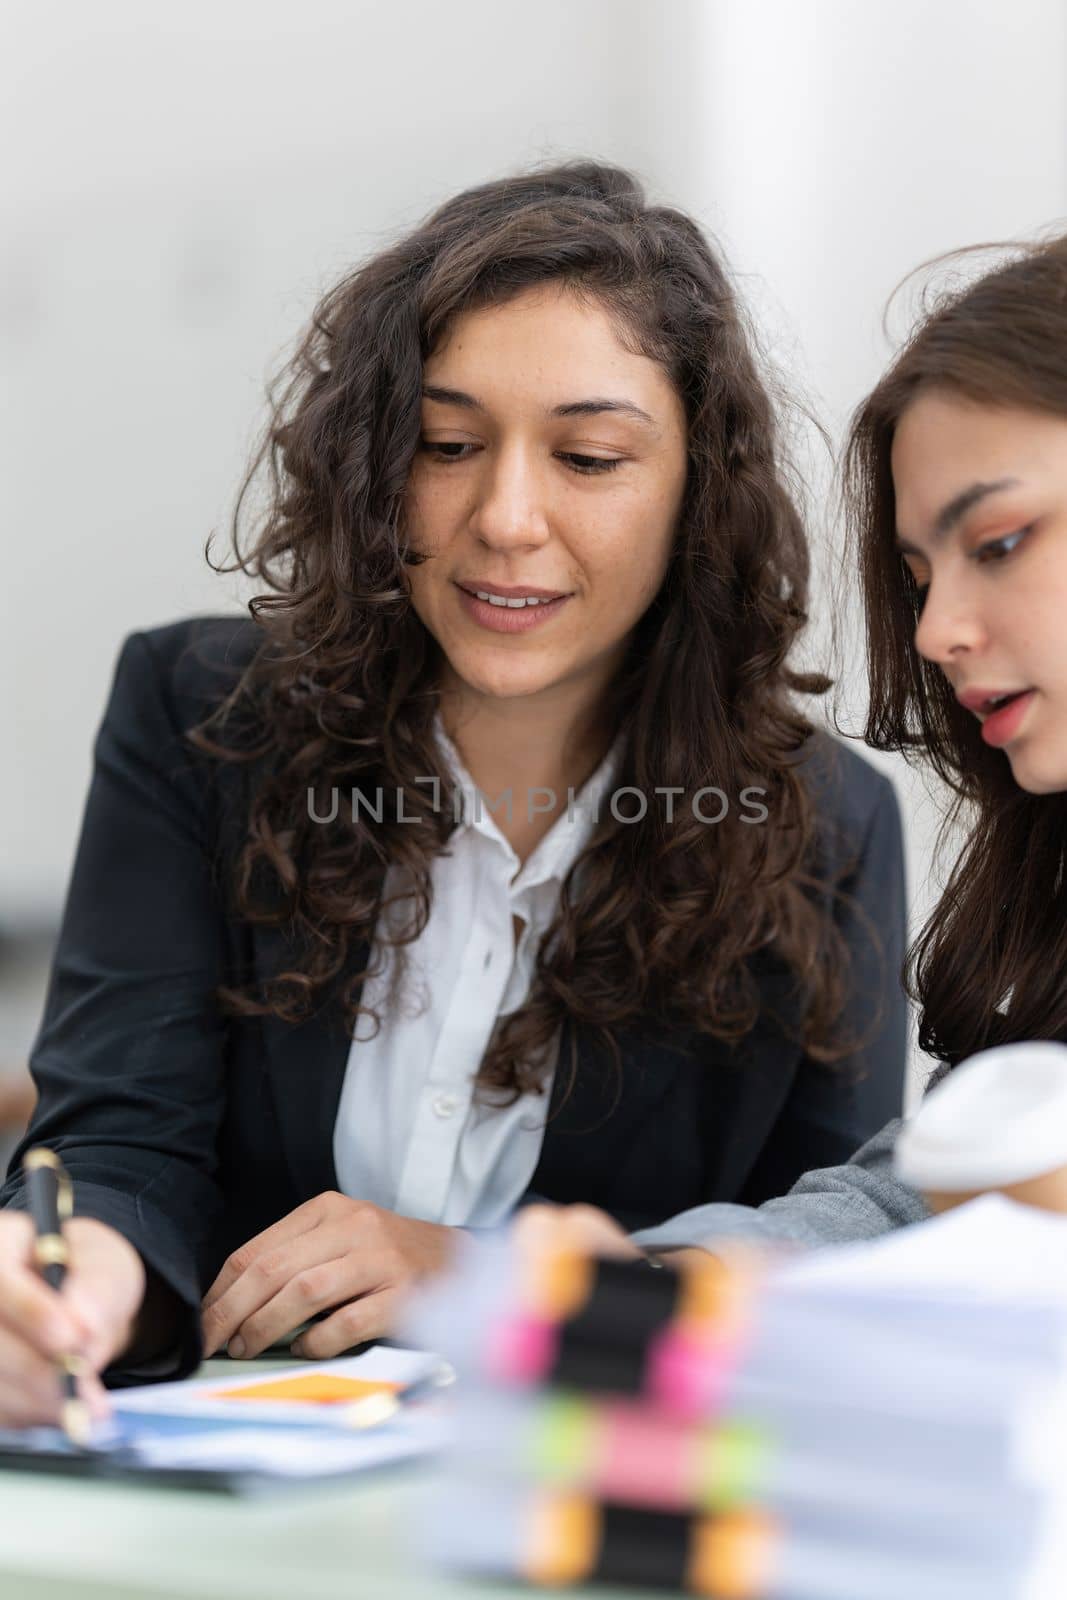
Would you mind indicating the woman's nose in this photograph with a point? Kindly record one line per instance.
(510, 508)
(950, 623)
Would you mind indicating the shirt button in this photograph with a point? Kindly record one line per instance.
(444, 1105)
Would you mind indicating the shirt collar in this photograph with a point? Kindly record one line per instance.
(570, 832)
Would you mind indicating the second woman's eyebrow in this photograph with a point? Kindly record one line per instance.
(570, 408)
(957, 508)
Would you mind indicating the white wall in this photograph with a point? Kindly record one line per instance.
(182, 181)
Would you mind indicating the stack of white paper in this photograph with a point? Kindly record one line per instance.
(912, 1389)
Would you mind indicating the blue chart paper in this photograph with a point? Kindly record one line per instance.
(186, 1428)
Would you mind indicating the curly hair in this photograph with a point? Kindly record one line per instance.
(656, 919)
(999, 929)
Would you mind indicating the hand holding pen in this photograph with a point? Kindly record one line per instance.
(89, 1318)
(51, 1203)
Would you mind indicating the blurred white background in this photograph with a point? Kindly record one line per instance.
(182, 182)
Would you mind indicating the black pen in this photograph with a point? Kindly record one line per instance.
(51, 1203)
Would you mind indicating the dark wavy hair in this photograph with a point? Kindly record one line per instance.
(990, 965)
(656, 918)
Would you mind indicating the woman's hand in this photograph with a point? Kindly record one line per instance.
(331, 1252)
(586, 1228)
(92, 1316)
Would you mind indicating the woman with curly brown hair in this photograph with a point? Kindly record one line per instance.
(493, 858)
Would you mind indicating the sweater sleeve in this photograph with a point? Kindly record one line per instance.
(833, 1205)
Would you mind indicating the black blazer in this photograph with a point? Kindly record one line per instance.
(190, 1132)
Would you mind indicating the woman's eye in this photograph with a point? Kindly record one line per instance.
(592, 463)
(453, 450)
(997, 549)
(444, 449)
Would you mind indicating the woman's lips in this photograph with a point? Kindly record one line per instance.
(1000, 727)
(509, 619)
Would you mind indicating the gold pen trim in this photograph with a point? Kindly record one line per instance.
(41, 1156)
(76, 1422)
(50, 1250)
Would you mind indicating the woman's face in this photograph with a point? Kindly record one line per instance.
(982, 522)
(552, 462)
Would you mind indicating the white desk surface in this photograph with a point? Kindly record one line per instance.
(68, 1539)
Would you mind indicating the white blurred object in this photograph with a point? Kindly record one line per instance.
(998, 1118)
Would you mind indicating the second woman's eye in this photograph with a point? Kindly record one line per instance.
(452, 450)
(997, 549)
(919, 585)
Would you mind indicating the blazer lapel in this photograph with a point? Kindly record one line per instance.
(305, 1065)
(596, 1111)
(683, 1121)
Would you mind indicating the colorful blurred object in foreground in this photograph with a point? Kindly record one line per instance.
(854, 1424)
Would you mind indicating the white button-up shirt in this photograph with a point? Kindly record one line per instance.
(408, 1134)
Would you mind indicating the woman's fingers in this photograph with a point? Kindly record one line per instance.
(90, 1317)
(263, 1282)
(29, 1383)
(372, 1316)
(104, 1287)
(95, 1396)
(353, 1250)
(101, 1292)
(283, 1278)
(30, 1389)
(281, 1233)
(327, 1252)
(35, 1398)
(29, 1309)
(307, 1292)
(540, 1228)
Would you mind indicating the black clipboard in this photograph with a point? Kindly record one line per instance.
(104, 1467)
(101, 1467)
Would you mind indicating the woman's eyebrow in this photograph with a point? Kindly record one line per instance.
(570, 408)
(957, 508)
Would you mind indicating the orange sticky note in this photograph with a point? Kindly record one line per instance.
(318, 1388)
